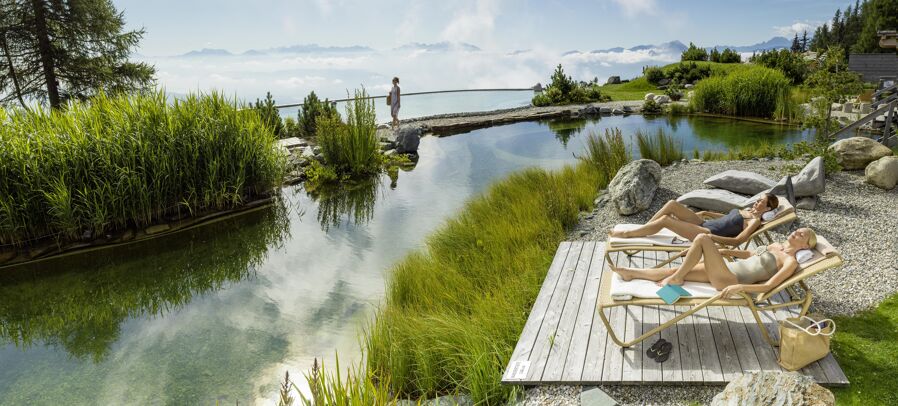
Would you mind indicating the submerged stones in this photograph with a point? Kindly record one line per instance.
(632, 189)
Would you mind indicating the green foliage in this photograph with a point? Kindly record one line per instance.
(866, 348)
(678, 109)
(799, 150)
(832, 79)
(129, 161)
(653, 74)
(351, 149)
(359, 387)
(313, 110)
(454, 310)
(606, 154)
(674, 91)
(820, 117)
(694, 53)
(856, 28)
(754, 92)
(269, 114)
(660, 147)
(687, 72)
(791, 64)
(651, 107)
(727, 56)
(564, 90)
(56, 51)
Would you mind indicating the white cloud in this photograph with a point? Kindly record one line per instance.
(633, 8)
(295, 82)
(473, 23)
(797, 27)
(624, 57)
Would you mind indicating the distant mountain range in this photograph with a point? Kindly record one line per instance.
(666, 48)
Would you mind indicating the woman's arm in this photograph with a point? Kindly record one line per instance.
(742, 237)
(781, 275)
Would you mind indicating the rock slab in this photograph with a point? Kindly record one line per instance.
(632, 189)
(740, 182)
(857, 152)
(774, 388)
(810, 181)
(883, 172)
(596, 397)
(407, 139)
(718, 200)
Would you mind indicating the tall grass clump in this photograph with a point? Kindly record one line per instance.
(351, 148)
(453, 311)
(751, 92)
(132, 160)
(606, 153)
(660, 147)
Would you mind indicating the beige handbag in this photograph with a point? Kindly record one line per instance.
(804, 340)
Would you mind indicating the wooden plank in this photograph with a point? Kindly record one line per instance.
(745, 350)
(531, 328)
(726, 348)
(651, 369)
(632, 356)
(578, 353)
(567, 323)
(598, 336)
(672, 369)
(712, 370)
(613, 368)
(690, 358)
(765, 352)
(833, 371)
(546, 336)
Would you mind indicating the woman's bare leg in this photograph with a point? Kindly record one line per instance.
(715, 268)
(678, 210)
(686, 230)
(656, 274)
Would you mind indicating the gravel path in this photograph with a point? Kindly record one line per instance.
(859, 219)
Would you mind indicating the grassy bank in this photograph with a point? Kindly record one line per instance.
(752, 92)
(866, 346)
(125, 161)
(632, 90)
(454, 310)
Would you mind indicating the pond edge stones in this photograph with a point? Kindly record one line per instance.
(632, 189)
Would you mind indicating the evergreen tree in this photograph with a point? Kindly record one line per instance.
(312, 110)
(55, 50)
(876, 15)
(804, 41)
(269, 113)
(694, 53)
(796, 45)
(715, 55)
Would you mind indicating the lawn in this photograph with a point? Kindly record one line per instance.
(866, 346)
(632, 90)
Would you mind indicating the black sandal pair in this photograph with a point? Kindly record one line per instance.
(660, 350)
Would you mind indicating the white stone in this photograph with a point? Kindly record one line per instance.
(857, 152)
(632, 189)
(649, 96)
(662, 99)
(883, 172)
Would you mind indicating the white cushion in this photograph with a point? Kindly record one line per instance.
(641, 288)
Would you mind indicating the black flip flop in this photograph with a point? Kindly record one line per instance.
(652, 352)
(664, 352)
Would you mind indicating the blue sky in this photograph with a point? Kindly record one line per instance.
(177, 26)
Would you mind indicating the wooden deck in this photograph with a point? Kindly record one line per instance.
(565, 342)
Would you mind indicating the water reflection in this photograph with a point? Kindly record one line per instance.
(350, 202)
(81, 309)
(566, 128)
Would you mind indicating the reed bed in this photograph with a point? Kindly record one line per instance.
(661, 147)
(606, 154)
(129, 161)
(351, 149)
(751, 92)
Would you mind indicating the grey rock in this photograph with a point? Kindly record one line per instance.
(718, 200)
(774, 388)
(449, 400)
(810, 181)
(836, 107)
(649, 96)
(596, 397)
(291, 143)
(664, 82)
(807, 203)
(688, 86)
(629, 109)
(605, 110)
(589, 110)
(391, 152)
(857, 152)
(662, 99)
(407, 139)
(883, 172)
(613, 80)
(632, 189)
(848, 107)
(617, 111)
(740, 182)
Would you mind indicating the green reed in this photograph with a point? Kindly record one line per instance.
(751, 92)
(661, 147)
(132, 160)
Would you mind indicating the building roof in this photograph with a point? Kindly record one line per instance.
(874, 66)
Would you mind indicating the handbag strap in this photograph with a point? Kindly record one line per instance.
(814, 323)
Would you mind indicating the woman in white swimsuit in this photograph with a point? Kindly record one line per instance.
(751, 274)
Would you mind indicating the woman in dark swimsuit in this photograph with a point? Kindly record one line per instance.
(731, 228)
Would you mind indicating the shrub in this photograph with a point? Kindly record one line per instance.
(694, 53)
(791, 64)
(541, 99)
(674, 91)
(661, 147)
(269, 113)
(115, 162)
(754, 92)
(727, 56)
(351, 149)
(687, 72)
(650, 107)
(678, 109)
(653, 74)
(564, 90)
(313, 110)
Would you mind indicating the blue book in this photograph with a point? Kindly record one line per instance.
(671, 293)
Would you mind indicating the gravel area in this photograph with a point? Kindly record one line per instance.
(861, 220)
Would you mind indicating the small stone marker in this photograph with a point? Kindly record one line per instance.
(596, 397)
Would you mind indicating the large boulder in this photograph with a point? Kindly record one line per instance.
(810, 181)
(613, 80)
(883, 172)
(857, 152)
(740, 182)
(632, 189)
(407, 139)
(649, 96)
(774, 388)
(662, 99)
(718, 200)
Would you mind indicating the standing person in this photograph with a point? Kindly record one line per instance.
(394, 102)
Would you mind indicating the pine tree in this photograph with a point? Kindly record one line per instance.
(804, 41)
(796, 45)
(876, 15)
(269, 113)
(56, 50)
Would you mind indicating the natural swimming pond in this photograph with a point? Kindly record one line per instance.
(221, 311)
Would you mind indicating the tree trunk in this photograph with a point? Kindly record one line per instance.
(46, 51)
(12, 72)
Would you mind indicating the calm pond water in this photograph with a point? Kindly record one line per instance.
(218, 313)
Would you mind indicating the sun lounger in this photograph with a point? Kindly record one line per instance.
(616, 292)
(668, 241)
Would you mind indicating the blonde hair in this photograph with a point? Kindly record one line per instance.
(812, 239)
